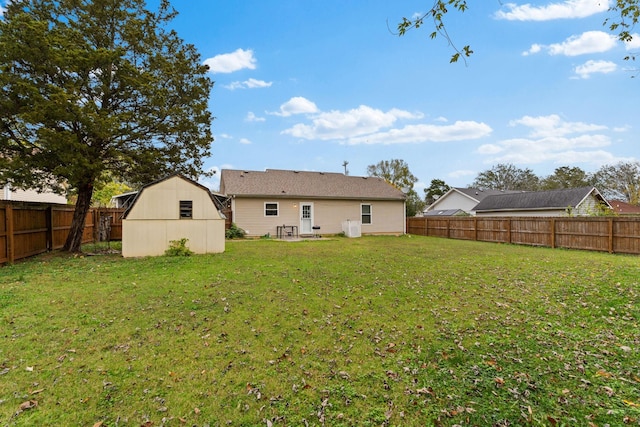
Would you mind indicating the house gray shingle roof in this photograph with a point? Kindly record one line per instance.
(287, 183)
(479, 194)
(536, 200)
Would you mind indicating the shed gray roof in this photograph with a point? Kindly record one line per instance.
(537, 200)
(288, 183)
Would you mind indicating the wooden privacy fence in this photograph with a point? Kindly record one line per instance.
(607, 234)
(28, 229)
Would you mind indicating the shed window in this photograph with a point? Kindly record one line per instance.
(366, 214)
(186, 209)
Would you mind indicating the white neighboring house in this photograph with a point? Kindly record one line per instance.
(583, 201)
(460, 199)
(8, 193)
(172, 208)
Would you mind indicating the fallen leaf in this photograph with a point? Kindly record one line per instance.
(29, 404)
(40, 390)
(98, 424)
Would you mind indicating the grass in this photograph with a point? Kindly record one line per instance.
(403, 331)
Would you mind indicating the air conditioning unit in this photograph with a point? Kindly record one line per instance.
(352, 228)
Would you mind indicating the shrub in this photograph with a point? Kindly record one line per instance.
(178, 248)
(235, 232)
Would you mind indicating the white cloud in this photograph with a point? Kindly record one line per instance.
(251, 117)
(585, 70)
(245, 141)
(634, 43)
(563, 10)
(248, 84)
(341, 125)
(224, 136)
(587, 42)
(459, 131)
(367, 125)
(551, 139)
(230, 62)
(553, 125)
(296, 105)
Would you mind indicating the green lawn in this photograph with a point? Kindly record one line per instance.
(403, 331)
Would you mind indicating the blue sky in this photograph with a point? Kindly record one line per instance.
(309, 84)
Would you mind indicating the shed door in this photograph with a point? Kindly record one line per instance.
(306, 218)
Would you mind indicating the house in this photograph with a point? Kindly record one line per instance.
(573, 201)
(457, 198)
(623, 208)
(8, 193)
(172, 208)
(306, 203)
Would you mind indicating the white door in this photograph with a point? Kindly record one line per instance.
(306, 218)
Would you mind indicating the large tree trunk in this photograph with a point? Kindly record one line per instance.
(83, 204)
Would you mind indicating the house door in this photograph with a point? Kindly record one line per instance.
(306, 218)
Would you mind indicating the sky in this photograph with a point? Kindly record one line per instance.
(311, 84)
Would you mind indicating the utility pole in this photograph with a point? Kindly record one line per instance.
(344, 164)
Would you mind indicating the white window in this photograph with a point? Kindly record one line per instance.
(365, 213)
(271, 209)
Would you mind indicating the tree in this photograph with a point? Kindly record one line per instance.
(103, 194)
(437, 188)
(566, 177)
(414, 204)
(507, 177)
(625, 15)
(396, 172)
(91, 90)
(620, 181)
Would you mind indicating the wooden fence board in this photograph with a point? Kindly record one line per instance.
(608, 234)
(28, 229)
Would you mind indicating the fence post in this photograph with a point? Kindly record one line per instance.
(475, 228)
(553, 232)
(610, 235)
(11, 253)
(509, 231)
(49, 221)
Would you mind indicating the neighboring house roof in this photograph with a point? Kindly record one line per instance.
(289, 183)
(624, 208)
(474, 195)
(538, 200)
(445, 212)
(138, 194)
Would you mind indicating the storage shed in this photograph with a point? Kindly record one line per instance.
(172, 208)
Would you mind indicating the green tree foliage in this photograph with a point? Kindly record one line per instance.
(507, 177)
(95, 89)
(566, 177)
(624, 15)
(414, 203)
(437, 188)
(396, 172)
(620, 181)
(103, 194)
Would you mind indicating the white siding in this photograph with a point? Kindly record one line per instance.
(387, 216)
(31, 196)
